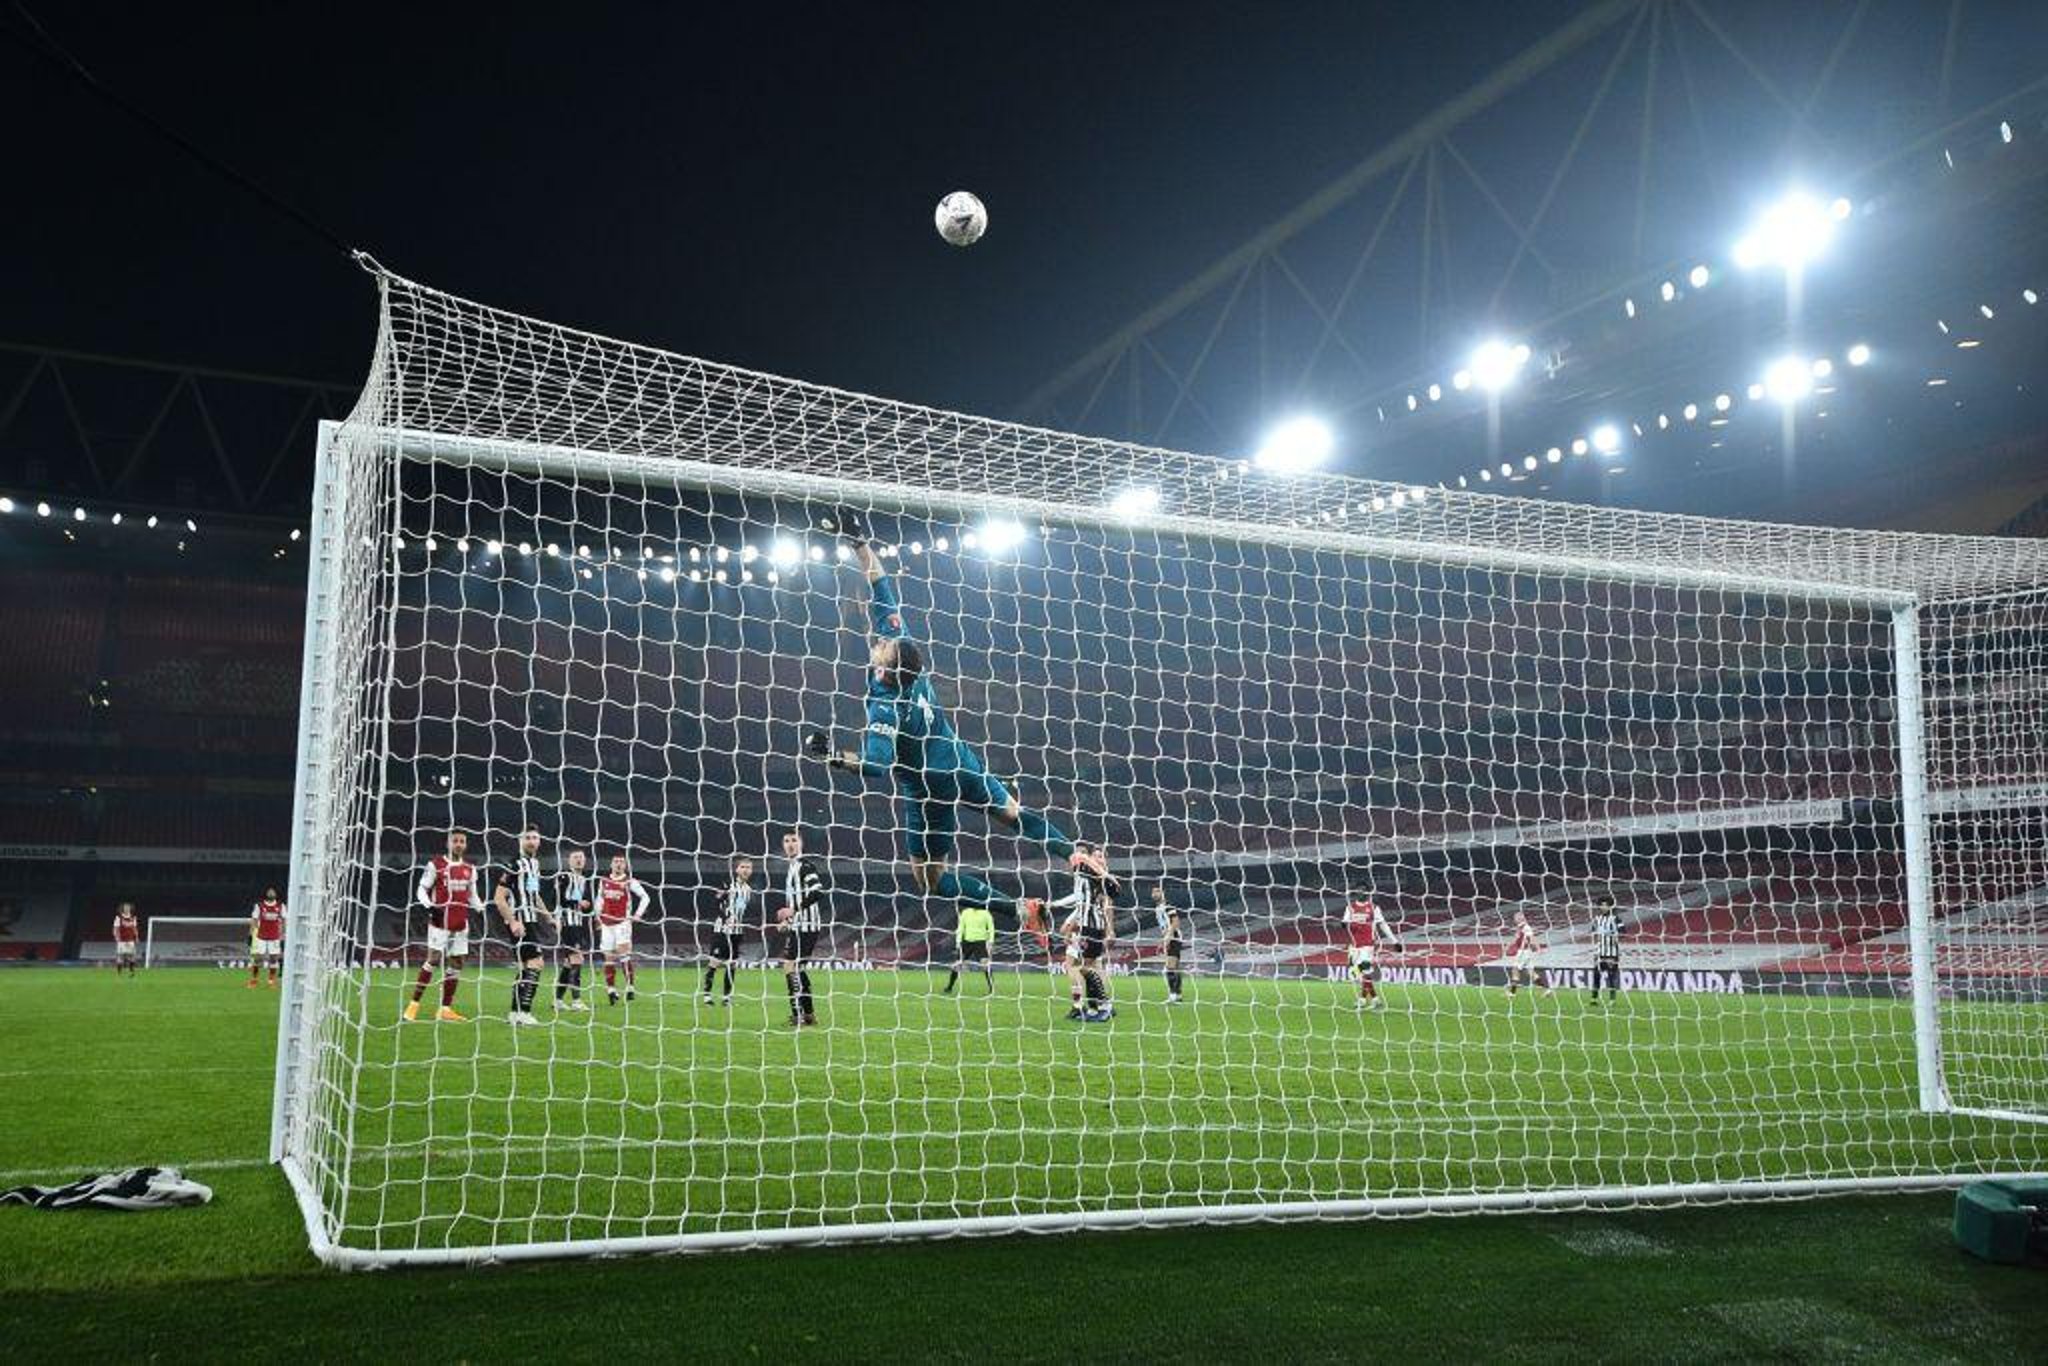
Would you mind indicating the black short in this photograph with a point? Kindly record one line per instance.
(527, 947)
(575, 937)
(796, 945)
(1170, 948)
(1607, 963)
(974, 951)
(725, 948)
(1091, 945)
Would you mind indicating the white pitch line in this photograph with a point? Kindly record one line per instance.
(72, 1171)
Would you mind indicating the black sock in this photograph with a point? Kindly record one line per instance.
(810, 1007)
(1091, 986)
(528, 984)
(728, 979)
(1173, 982)
(789, 984)
(561, 981)
(709, 974)
(951, 978)
(988, 977)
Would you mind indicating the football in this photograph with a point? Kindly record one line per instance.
(961, 219)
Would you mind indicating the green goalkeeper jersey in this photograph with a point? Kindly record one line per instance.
(977, 926)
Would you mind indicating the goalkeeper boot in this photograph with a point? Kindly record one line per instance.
(412, 1010)
(449, 1013)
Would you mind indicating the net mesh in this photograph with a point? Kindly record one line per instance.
(597, 590)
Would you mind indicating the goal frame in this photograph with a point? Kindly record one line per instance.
(313, 838)
(149, 929)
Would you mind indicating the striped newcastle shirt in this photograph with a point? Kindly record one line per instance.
(804, 888)
(1090, 903)
(524, 881)
(1606, 935)
(732, 909)
(572, 890)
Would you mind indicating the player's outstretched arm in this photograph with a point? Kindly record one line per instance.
(874, 760)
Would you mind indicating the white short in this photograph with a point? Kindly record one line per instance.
(615, 937)
(124, 948)
(448, 943)
(1361, 958)
(1525, 960)
(267, 948)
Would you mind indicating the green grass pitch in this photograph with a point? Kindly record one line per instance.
(467, 1130)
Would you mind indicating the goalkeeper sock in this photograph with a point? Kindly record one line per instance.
(969, 887)
(951, 978)
(1033, 826)
(988, 976)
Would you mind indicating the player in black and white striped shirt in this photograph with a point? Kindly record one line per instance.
(801, 920)
(575, 893)
(521, 907)
(1606, 947)
(729, 925)
(1092, 904)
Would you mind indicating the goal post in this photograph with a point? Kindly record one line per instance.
(603, 593)
(218, 941)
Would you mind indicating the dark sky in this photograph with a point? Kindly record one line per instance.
(752, 184)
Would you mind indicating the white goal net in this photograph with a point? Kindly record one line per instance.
(1708, 856)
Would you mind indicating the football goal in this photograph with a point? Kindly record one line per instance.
(1711, 856)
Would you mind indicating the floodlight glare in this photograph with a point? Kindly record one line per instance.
(1699, 277)
(1790, 233)
(1789, 379)
(786, 553)
(1607, 438)
(42, 509)
(1495, 364)
(1135, 502)
(6, 505)
(1001, 536)
(1297, 444)
(1859, 354)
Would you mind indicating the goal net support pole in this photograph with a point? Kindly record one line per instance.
(1919, 879)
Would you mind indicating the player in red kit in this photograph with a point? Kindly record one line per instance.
(127, 934)
(1366, 926)
(448, 889)
(266, 937)
(621, 901)
(1522, 955)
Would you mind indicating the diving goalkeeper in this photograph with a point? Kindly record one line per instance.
(910, 741)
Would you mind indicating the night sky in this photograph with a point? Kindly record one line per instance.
(750, 186)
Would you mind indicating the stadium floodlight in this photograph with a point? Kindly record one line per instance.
(1299, 443)
(2030, 296)
(78, 514)
(296, 533)
(1580, 445)
(1136, 502)
(1554, 454)
(942, 545)
(42, 509)
(461, 543)
(1723, 402)
(1001, 535)
(1667, 291)
(6, 505)
(1859, 354)
(1699, 276)
(1461, 380)
(786, 553)
(668, 573)
(1790, 233)
(817, 552)
(1823, 367)
(749, 553)
(152, 520)
(1789, 379)
(1495, 364)
(494, 547)
(1607, 438)
(191, 525)
(526, 547)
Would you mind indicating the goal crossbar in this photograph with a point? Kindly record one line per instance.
(673, 471)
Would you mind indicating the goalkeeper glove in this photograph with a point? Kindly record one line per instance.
(818, 743)
(847, 522)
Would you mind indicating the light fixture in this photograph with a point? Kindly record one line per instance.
(786, 553)
(1297, 444)
(1791, 232)
(1667, 291)
(1859, 354)
(1789, 379)
(1607, 438)
(1699, 277)
(1135, 502)
(1002, 535)
(1495, 364)
(42, 509)
(1722, 403)
(493, 547)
